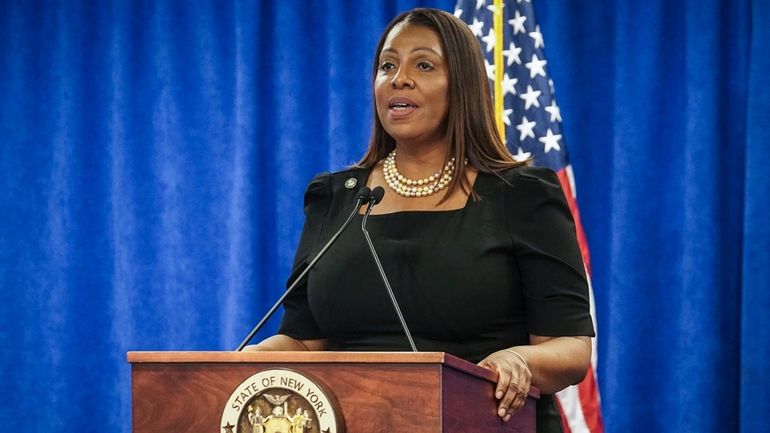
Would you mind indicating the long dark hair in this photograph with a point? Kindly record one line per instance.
(471, 130)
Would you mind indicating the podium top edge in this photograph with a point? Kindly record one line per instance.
(314, 358)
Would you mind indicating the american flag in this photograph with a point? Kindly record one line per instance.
(527, 112)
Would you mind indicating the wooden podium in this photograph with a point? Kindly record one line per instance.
(374, 392)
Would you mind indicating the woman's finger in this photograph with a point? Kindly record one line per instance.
(513, 383)
(525, 380)
(520, 383)
(503, 381)
(519, 400)
(506, 404)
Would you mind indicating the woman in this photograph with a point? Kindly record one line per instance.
(480, 249)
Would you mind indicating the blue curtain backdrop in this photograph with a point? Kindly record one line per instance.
(153, 156)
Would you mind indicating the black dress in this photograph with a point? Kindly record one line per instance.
(470, 281)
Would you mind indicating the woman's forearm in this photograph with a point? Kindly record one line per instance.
(556, 362)
(280, 342)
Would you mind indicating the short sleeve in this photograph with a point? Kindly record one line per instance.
(297, 321)
(550, 265)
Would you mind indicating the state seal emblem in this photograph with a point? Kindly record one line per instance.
(281, 401)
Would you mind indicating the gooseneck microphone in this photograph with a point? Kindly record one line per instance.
(363, 196)
(376, 197)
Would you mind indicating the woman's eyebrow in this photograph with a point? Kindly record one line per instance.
(391, 50)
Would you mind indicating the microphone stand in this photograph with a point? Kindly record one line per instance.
(377, 194)
(363, 196)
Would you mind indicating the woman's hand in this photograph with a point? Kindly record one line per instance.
(549, 363)
(513, 382)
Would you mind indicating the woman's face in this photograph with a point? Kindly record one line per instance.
(411, 86)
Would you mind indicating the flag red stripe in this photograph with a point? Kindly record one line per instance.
(588, 389)
(589, 400)
(573, 207)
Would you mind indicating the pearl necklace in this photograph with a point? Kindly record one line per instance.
(420, 187)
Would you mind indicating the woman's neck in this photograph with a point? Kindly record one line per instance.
(415, 161)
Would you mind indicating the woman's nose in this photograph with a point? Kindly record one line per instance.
(402, 79)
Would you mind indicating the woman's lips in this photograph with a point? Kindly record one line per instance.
(400, 107)
(398, 112)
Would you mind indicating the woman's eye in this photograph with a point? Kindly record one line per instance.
(386, 66)
(424, 66)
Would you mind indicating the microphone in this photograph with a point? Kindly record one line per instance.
(376, 197)
(363, 196)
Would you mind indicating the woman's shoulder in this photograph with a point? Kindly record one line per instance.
(350, 178)
(347, 178)
(528, 173)
(527, 179)
(323, 186)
